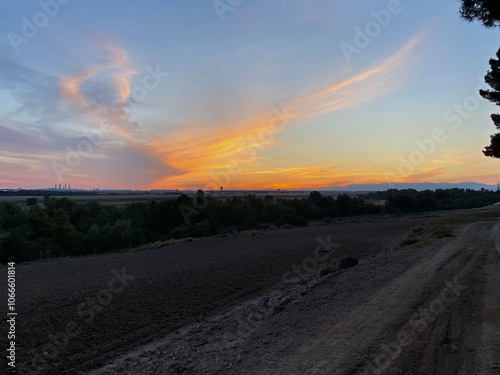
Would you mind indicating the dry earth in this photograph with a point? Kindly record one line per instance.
(271, 303)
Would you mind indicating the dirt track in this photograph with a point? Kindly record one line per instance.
(196, 304)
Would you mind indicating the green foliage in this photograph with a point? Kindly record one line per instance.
(115, 236)
(64, 228)
(63, 233)
(245, 216)
(31, 201)
(202, 229)
(16, 247)
(91, 239)
(293, 220)
(313, 212)
(178, 233)
(410, 200)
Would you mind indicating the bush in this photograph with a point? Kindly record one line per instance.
(313, 212)
(178, 233)
(245, 216)
(199, 230)
(31, 202)
(293, 220)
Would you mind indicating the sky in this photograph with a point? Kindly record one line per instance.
(242, 94)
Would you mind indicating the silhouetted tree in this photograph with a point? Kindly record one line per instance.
(493, 80)
(245, 216)
(485, 11)
(200, 197)
(314, 195)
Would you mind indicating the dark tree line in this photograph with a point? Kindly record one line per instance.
(62, 227)
(411, 200)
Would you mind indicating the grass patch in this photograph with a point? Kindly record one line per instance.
(445, 226)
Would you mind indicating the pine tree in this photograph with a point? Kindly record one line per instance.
(485, 11)
(493, 80)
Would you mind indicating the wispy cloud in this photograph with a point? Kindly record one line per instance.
(70, 87)
(204, 153)
(188, 156)
(360, 88)
(115, 67)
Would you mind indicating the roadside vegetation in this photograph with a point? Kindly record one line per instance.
(62, 227)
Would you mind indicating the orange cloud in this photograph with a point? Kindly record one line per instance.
(123, 73)
(70, 87)
(114, 116)
(233, 156)
(315, 176)
(116, 64)
(200, 158)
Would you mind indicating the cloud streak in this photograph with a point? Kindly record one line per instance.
(207, 154)
(191, 156)
(360, 88)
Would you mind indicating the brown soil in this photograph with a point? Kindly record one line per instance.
(271, 303)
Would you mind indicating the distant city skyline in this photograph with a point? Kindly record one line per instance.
(262, 95)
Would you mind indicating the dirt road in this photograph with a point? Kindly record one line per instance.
(441, 316)
(271, 303)
(433, 310)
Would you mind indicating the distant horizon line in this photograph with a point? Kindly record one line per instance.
(369, 186)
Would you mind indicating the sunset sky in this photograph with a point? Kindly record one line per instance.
(264, 94)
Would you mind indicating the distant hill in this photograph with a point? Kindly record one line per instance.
(410, 185)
